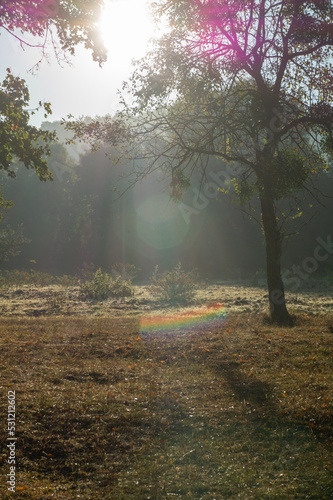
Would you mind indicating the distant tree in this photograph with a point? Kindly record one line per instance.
(58, 24)
(4, 204)
(11, 241)
(247, 81)
(46, 25)
(45, 211)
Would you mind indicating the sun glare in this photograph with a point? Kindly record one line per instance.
(126, 27)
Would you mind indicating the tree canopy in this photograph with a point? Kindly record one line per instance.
(50, 25)
(247, 81)
(57, 23)
(18, 139)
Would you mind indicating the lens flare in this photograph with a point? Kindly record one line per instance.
(212, 315)
(159, 222)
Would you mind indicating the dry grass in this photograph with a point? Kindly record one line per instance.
(47, 299)
(243, 411)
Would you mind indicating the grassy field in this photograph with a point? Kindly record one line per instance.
(103, 412)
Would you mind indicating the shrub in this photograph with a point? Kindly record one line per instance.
(125, 271)
(102, 286)
(174, 286)
(32, 277)
(38, 278)
(121, 288)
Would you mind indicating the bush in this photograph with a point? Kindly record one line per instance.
(125, 271)
(38, 278)
(121, 288)
(32, 277)
(102, 286)
(174, 286)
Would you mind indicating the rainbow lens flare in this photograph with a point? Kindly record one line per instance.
(212, 315)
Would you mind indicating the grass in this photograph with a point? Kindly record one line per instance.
(243, 411)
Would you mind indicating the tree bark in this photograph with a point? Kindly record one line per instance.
(277, 304)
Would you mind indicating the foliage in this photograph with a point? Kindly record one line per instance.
(121, 288)
(63, 24)
(4, 204)
(288, 172)
(56, 23)
(102, 286)
(38, 278)
(19, 278)
(19, 139)
(176, 286)
(10, 242)
(98, 287)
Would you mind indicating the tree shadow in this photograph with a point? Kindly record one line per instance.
(245, 387)
(264, 410)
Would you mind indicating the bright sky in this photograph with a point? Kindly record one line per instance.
(84, 88)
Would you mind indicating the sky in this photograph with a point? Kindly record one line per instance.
(82, 88)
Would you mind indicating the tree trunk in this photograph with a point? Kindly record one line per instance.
(273, 238)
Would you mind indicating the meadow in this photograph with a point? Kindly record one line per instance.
(105, 411)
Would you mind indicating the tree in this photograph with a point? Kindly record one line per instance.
(10, 242)
(56, 23)
(10, 239)
(59, 24)
(4, 204)
(19, 139)
(247, 81)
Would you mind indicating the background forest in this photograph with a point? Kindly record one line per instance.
(82, 218)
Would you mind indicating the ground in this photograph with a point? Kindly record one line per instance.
(29, 300)
(241, 410)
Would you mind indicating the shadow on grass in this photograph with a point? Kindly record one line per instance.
(245, 387)
(76, 446)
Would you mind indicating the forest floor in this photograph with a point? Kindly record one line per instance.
(30, 300)
(241, 410)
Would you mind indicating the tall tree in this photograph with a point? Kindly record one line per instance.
(247, 81)
(56, 25)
